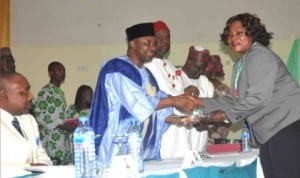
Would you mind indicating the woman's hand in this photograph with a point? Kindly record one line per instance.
(218, 116)
(183, 121)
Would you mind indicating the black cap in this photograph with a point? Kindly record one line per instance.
(140, 30)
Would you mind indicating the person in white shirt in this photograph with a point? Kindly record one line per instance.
(162, 69)
(178, 139)
(18, 148)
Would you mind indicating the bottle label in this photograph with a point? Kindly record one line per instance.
(246, 135)
(78, 139)
(245, 141)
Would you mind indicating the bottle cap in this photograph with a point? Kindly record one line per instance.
(83, 119)
(133, 120)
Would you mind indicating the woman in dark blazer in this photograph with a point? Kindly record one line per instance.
(264, 94)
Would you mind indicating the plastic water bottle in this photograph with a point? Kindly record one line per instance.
(245, 138)
(135, 145)
(84, 150)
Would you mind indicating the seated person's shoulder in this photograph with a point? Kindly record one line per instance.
(27, 116)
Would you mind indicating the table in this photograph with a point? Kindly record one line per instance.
(217, 165)
(221, 165)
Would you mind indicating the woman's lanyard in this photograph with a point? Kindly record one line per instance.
(238, 72)
(236, 79)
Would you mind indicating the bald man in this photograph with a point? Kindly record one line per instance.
(19, 146)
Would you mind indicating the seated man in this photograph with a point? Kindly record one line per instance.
(125, 90)
(20, 143)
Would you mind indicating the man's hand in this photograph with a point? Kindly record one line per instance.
(191, 90)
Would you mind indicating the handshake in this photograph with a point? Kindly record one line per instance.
(191, 105)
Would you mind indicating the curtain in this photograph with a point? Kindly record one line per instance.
(4, 23)
(293, 63)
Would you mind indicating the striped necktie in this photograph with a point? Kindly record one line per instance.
(16, 124)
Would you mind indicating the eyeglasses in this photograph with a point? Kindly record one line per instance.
(237, 34)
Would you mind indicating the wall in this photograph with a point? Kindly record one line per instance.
(83, 34)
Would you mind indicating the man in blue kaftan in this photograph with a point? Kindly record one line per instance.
(126, 89)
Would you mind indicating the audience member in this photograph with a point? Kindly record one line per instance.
(126, 89)
(177, 140)
(264, 94)
(213, 72)
(81, 107)
(50, 112)
(82, 103)
(20, 144)
(7, 61)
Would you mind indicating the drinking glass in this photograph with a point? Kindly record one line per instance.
(121, 141)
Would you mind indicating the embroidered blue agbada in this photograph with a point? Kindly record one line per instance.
(121, 94)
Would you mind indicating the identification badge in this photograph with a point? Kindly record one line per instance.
(236, 92)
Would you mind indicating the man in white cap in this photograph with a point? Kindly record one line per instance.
(125, 90)
(178, 140)
(193, 71)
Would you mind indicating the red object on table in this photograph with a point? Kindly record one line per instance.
(223, 148)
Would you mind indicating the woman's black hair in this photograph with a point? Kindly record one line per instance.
(79, 95)
(254, 28)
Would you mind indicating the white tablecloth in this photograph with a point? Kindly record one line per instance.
(151, 167)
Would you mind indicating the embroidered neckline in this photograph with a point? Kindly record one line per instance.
(171, 76)
(150, 89)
